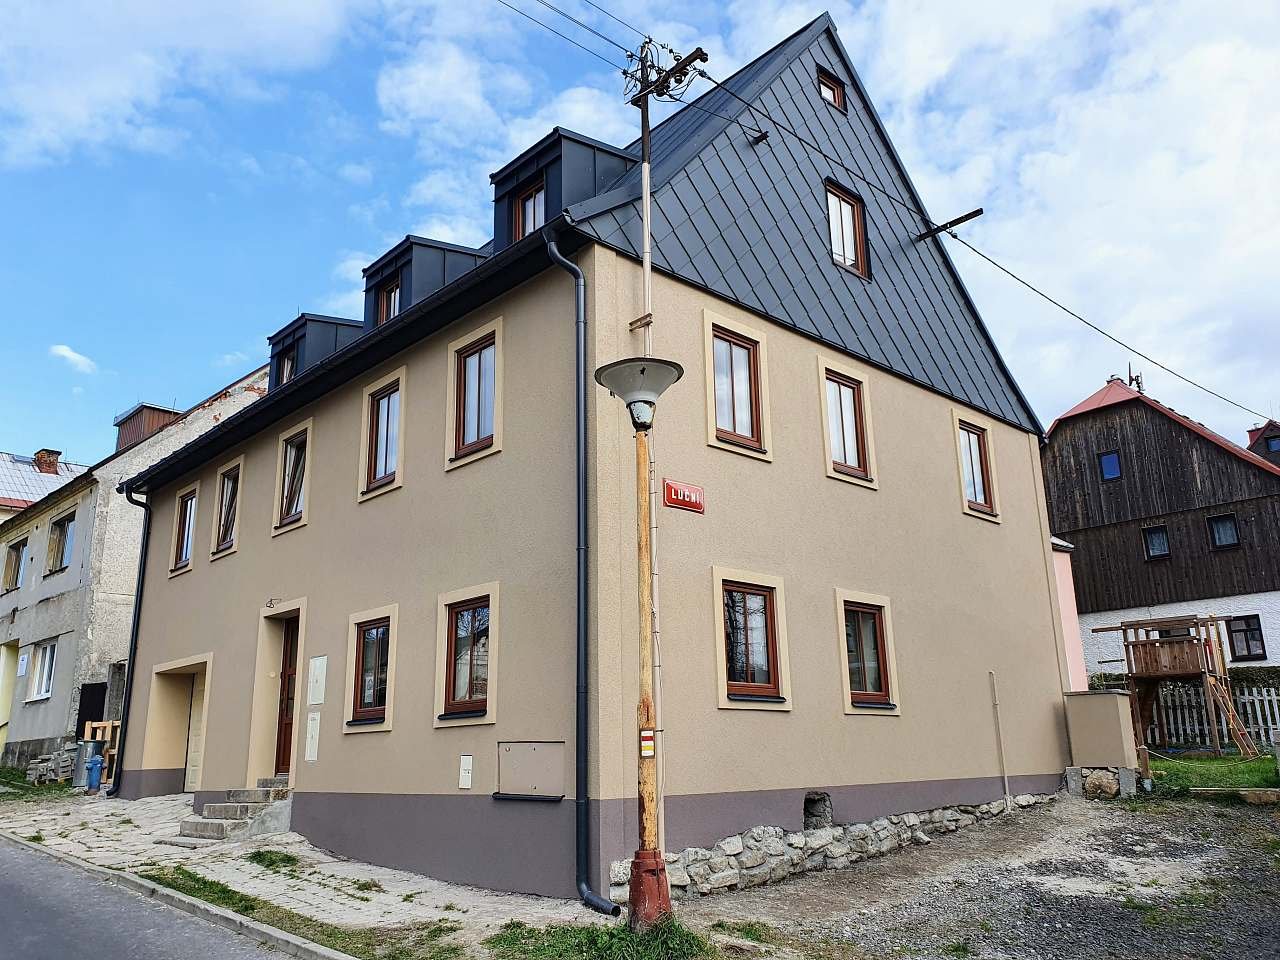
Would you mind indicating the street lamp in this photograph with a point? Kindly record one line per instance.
(639, 381)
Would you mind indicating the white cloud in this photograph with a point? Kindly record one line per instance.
(77, 361)
(89, 75)
(232, 359)
(361, 174)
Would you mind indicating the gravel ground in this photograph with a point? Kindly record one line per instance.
(1167, 879)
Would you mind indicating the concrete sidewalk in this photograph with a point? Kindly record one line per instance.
(124, 835)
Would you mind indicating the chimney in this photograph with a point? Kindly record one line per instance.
(47, 460)
(141, 421)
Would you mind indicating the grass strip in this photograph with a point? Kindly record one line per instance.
(666, 941)
(1178, 777)
(419, 941)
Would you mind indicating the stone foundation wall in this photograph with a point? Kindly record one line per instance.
(1102, 783)
(769, 854)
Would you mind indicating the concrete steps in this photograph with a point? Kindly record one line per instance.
(265, 808)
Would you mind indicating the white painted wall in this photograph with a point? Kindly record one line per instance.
(1109, 646)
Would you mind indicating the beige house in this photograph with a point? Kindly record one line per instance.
(405, 579)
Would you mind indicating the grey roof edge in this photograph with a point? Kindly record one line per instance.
(936, 239)
(303, 317)
(81, 480)
(362, 353)
(559, 131)
(410, 239)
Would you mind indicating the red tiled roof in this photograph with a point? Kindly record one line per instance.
(13, 504)
(1117, 391)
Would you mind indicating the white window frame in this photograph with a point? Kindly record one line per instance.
(890, 665)
(69, 515)
(443, 602)
(390, 612)
(872, 480)
(710, 321)
(194, 489)
(214, 552)
(43, 663)
(304, 426)
(959, 417)
(718, 577)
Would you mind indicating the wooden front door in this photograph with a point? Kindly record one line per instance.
(288, 687)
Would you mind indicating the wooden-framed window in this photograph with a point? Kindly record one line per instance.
(847, 223)
(1155, 542)
(293, 478)
(184, 534)
(372, 656)
(224, 534)
(62, 540)
(846, 425)
(736, 370)
(1224, 533)
(831, 89)
(467, 660)
(1273, 444)
(287, 364)
(975, 468)
(388, 300)
(1247, 642)
(43, 657)
(866, 654)
(475, 378)
(15, 564)
(384, 436)
(530, 210)
(1109, 465)
(750, 641)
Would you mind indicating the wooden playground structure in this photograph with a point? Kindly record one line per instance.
(1182, 650)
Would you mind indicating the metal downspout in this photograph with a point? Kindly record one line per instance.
(133, 637)
(581, 808)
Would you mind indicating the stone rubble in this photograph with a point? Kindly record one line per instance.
(770, 854)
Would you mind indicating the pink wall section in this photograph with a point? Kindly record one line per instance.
(1074, 646)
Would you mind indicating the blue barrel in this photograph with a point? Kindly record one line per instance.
(93, 774)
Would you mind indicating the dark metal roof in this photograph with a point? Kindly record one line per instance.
(748, 222)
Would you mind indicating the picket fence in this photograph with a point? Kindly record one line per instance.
(1184, 715)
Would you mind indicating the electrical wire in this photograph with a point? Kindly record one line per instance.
(989, 259)
(928, 222)
(547, 26)
(640, 33)
(585, 26)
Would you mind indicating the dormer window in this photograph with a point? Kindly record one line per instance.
(831, 88)
(847, 220)
(1273, 444)
(531, 210)
(288, 361)
(389, 301)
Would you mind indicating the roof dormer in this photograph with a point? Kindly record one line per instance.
(412, 270)
(560, 169)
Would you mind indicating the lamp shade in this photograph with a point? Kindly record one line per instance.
(639, 379)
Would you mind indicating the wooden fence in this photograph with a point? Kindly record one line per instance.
(1184, 716)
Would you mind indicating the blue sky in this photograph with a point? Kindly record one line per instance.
(177, 184)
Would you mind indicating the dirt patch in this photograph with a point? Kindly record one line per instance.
(1070, 880)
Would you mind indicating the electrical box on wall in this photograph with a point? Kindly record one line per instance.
(464, 771)
(533, 769)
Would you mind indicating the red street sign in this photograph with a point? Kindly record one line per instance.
(682, 496)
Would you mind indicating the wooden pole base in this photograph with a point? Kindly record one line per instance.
(649, 899)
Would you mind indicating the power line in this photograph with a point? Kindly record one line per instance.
(547, 26)
(989, 259)
(585, 26)
(640, 33)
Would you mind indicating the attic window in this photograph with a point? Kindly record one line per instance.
(1273, 444)
(531, 210)
(847, 220)
(831, 88)
(288, 363)
(389, 301)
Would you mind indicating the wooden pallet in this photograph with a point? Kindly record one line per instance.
(107, 731)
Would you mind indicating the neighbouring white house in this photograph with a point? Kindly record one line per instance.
(69, 573)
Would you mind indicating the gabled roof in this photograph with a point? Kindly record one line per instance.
(1270, 428)
(747, 221)
(1117, 392)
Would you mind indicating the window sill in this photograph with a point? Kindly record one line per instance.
(366, 721)
(478, 453)
(866, 481)
(873, 704)
(222, 552)
(866, 277)
(755, 698)
(1161, 558)
(40, 699)
(982, 513)
(742, 447)
(367, 725)
(9, 590)
(463, 714)
(55, 572)
(179, 571)
(284, 526)
(535, 797)
(1252, 658)
(378, 489)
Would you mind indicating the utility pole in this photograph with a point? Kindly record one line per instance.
(649, 898)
